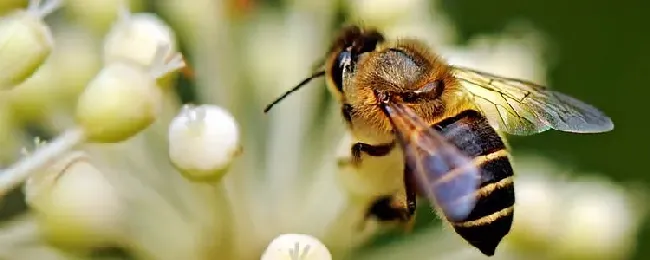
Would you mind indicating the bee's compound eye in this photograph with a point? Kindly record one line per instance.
(410, 97)
(343, 64)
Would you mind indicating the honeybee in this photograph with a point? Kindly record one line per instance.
(445, 124)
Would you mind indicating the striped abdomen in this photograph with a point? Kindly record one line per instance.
(491, 218)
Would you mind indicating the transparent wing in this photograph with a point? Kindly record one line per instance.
(442, 173)
(523, 108)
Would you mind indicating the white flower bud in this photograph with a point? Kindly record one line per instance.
(376, 11)
(123, 99)
(59, 81)
(75, 205)
(98, 15)
(538, 210)
(600, 222)
(25, 42)
(39, 184)
(134, 38)
(203, 142)
(296, 247)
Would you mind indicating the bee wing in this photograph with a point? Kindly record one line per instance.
(442, 173)
(522, 108)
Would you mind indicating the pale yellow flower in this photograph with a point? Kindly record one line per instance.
(286, 181)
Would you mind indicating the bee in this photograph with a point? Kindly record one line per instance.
(446, 126)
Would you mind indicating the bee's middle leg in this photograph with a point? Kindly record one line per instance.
(387, 208)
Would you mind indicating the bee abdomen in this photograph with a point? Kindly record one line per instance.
(491, 218)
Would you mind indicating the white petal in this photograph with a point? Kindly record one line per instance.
(296, 247)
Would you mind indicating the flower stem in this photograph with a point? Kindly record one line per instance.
(20, 171)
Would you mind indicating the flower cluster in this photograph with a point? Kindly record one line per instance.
(133, 169)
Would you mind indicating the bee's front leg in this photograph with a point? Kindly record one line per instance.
(361, 149)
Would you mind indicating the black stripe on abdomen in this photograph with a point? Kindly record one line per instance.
(491, 218)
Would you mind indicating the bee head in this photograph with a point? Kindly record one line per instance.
(352, 43)
(340, 62)
(403, 71)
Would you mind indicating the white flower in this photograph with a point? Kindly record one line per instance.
(535, 195)
(203, 141)
(573, 218)
(409, 18)
(25, 42)
(296, 247)
(286, 181)
(511, 56)
(123, 99)
(383, 9)
(556, 216)
(55, 86)
(134, 38)
(98, 15)
(600, 221)
(75, 205)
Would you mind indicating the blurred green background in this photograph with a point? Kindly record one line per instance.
(594, 50)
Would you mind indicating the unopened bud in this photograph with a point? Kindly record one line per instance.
(203, 142)
(25, 42)
(296, 247)
(134, 38)
(537, 210)
(98, 15)
(382, 11)
(75, 205)
(123, 99)
(598, 223)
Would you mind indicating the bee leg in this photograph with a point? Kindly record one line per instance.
(346, 112)
(385, 209)
(409, 225)
(390, 209)
(359, 149)
(410, 187)
(410, 190)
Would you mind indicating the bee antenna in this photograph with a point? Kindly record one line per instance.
(303, 83)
